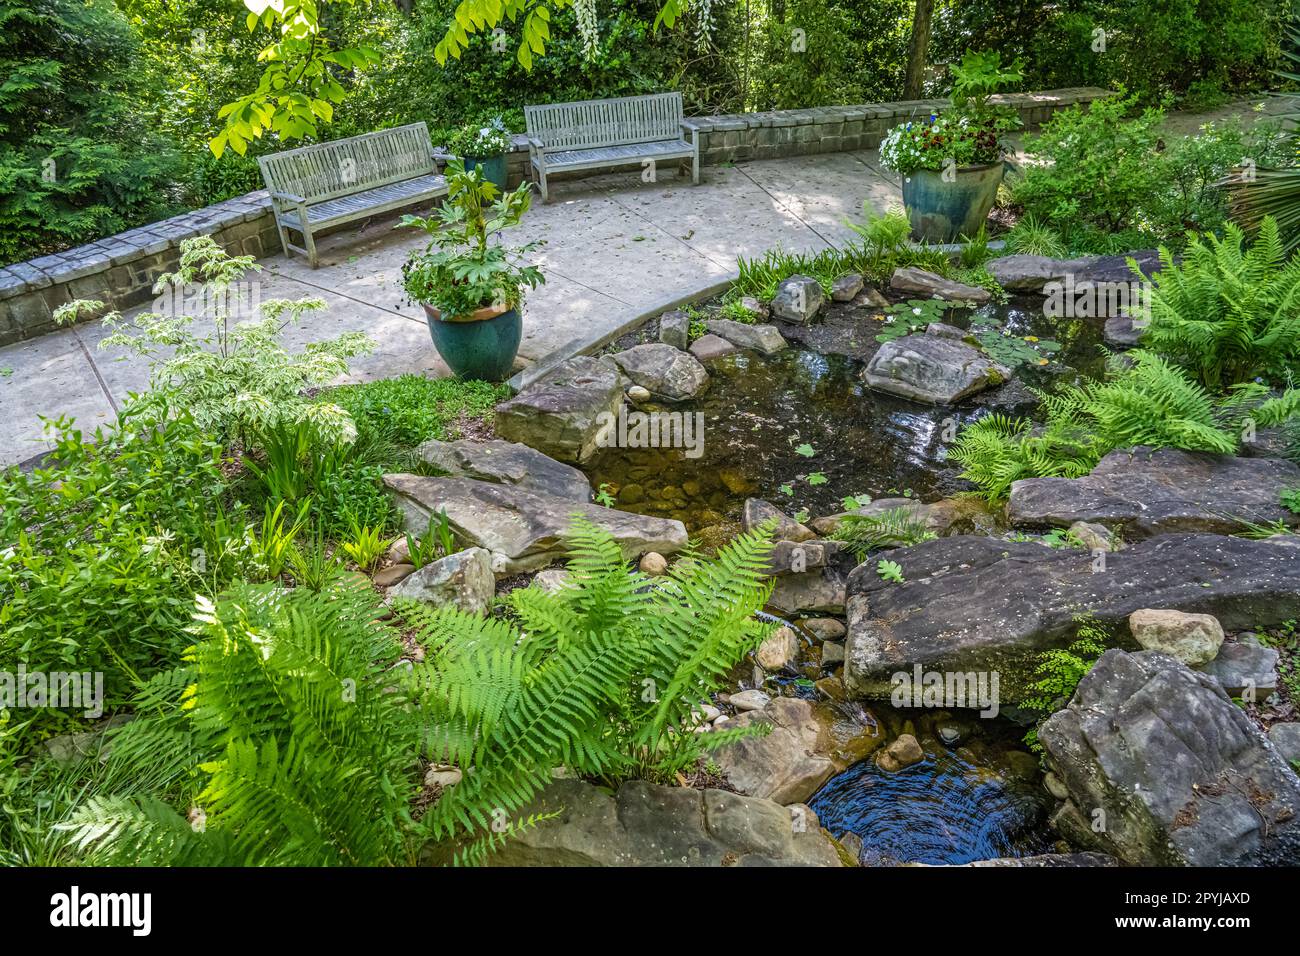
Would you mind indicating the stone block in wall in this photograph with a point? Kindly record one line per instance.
(11, 283)
(26, 315)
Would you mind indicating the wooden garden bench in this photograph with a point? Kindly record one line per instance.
(330, 183)
(595, 134)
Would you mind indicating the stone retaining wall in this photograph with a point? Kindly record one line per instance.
(120, 270)
(832, 129)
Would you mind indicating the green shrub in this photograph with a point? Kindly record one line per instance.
(1192, 170)
(294, 691)
(237, 379)
(1198, 49)
(103, 547)
(1092, 168)
(77, 157)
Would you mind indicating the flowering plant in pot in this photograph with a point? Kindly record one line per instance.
(952, 163)
(472, 287)
(483, 146)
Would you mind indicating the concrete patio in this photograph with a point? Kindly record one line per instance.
(615, 249)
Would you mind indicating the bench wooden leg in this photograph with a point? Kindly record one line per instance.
(695, 169)
(284, 237)
(541, 184)
(311, 248)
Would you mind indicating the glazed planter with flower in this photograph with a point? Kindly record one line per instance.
(484, 146)
(471, 285)
(952, 163)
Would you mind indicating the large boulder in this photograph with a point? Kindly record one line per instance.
(761, 338)
(665, 371)
(972, 603)
(507, 463)
(524, 530)
(932, 369)
(567, 412)
(463, 580)
(798, 299)
(1141, 491)
(645, 824)
(807, 744)
(1027, 273)
(1163, 769)
(929, 285)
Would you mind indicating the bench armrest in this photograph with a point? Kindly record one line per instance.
(289, 197)
(535, 143)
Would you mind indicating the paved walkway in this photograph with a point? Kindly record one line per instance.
(615, 248)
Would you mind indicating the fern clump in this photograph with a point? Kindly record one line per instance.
(1227, 313)
(601, 676)
(306, 738)
(897, 527)
(1151, 403)
(1059, 671)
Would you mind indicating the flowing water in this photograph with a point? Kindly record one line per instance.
(763, 415)
(801, 430)
(974, 800)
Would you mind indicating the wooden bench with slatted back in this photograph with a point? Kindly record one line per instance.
(594, 134)
(348, 179)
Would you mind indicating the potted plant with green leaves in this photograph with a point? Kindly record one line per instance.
(952, 162)
(483, 146)
(471, 285)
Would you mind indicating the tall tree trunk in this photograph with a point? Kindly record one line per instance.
(912, 87)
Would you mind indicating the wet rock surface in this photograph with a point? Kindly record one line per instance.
(648, 825)
(808, 743)
(1181, 774)
(932, 369)
(508, 463)
(665, 371)
(523, 530)
(561, 414)
(1141, 491)
(973, 603)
